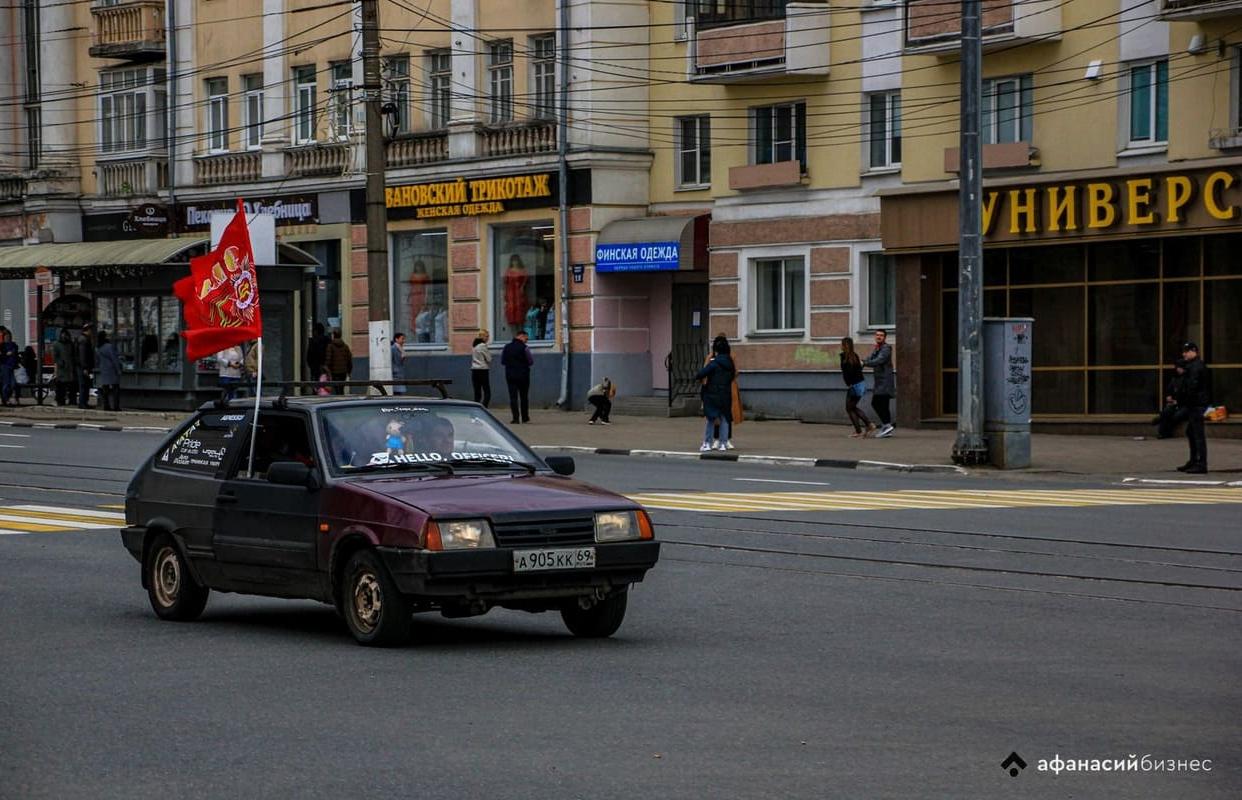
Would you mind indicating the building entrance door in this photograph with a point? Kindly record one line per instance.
(690, 338)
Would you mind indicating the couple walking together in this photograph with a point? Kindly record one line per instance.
(881, 360)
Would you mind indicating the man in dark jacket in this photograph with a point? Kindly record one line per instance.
(86, 366)
(517, 360)
(881, 359)
(1195, 397)
(717, 395)
(338, 359)
(1172, 414)
(316, 352)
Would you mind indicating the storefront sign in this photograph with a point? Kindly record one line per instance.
(286, 210)
(144, 222)
(471, 198)
(638, 257)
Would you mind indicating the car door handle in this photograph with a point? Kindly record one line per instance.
(227, 497)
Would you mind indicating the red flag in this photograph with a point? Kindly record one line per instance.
(220, 299)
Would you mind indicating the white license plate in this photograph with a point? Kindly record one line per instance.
(553, 558)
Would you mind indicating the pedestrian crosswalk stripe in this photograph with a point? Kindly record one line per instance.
(50, 519)
(931, 500)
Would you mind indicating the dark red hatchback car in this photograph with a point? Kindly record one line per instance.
(382, 507)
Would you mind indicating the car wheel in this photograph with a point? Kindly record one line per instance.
(171, 588)
(376, 613)
(600, 620)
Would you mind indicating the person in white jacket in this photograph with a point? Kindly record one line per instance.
(480, 369)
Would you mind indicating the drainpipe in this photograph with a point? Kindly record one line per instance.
(170, 106)
(562, 149)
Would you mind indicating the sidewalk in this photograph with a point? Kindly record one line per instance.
(1051, 453)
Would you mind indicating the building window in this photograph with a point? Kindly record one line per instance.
(881, 292)
(440, 73)
(709, 13)
(694, 150)
(500, 79)
(1149, 103)
(884, 129)
(420, 264)
(397, 92)
(1007, 107)
(252, 111)
(218, 114)
(543, 75)
(524, 293)
(131, 109)
(145, 331)
(779, 296)
(780, 134)
(341, 100)
(304, 104)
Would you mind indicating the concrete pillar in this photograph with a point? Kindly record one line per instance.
(277, 130)
(465, 87)
(185, 116)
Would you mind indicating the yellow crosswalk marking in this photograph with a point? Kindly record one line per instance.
(51, 519)
(932, 499)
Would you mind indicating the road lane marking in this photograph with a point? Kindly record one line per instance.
(82, 512)
(933, 500)
(773, 480)
(14, 446)
(15, 435)
(20, 519)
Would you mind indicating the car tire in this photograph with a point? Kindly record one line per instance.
(377, 614)
(600, 620)
(173, 593)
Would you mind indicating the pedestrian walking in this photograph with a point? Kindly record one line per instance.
(338, 359)
(717, 376)
(10, 360)
(316, 351)
(30, 365)
(398, 361)
(481, 369)
(65, 360)
(85, 365)
(600, 396)
(109, 374)
(855, 388)
(1173, 413)
(517, 360)
(229, 371)
(1196, 396)
(883, 387)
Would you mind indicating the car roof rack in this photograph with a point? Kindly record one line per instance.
(288, 388)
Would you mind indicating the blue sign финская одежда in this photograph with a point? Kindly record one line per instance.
(638, 257)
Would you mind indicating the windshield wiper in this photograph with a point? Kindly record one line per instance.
(487, 462)
(444, 467)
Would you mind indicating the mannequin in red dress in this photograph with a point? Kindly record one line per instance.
(515, 291)
(417, 296)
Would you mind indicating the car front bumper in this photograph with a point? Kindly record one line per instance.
(489, 575)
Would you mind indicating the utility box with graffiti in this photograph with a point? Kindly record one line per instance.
(1007, 390)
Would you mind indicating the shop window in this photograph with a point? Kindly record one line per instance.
(131, 109)
(1183, 317)
(1007, 108)
(1122, 322)
(304, 104)
(779, 295)
(341, 99)
(881, 290)
(1181, 258)
(884, 129)
(218, 114)
(252, 111)
(543, 75)
(1124, 261)
(694, 150)
(440, 79)
(995, 267)
(1227, 387)
(1222, 343)
(713, 13)
(1059, 321)
(145, 330)
(1058, 391)
(420, 262)
(1123, 391)
(500, 80)
(779, 134)
(1220, 255)
(1046, 265)
(524, 293)
(397, 92)
(1149, 103)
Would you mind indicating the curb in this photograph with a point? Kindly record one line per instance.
(786, 461)
(1176, 482)
(84, 426)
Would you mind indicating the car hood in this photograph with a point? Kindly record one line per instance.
(492, 495)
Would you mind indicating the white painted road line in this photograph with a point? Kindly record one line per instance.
(774, 480)
(14, 446)
(105, 516)
(15, 435)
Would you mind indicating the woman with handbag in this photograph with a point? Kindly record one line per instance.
(855, 388)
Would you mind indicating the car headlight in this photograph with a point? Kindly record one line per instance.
(616, 526)
(460, 534)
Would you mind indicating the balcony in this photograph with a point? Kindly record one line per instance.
(210, 170)
(319, 158)
(419, 148)
(133, 176)
(935, 27)
(132, 30)
(1005, 155)
(12, 188)
(518, 139)
(1184, 10)
(755, 51)
(780, 175)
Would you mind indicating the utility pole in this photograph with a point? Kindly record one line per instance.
(970, 448)
(378, 294)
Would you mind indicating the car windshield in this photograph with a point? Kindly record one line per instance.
(407, 434)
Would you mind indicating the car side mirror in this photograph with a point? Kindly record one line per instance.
(292, 473)
(561, 465)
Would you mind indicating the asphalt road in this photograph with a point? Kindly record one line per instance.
(863, 654)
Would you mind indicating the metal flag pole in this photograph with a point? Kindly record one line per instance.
(258, 395)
